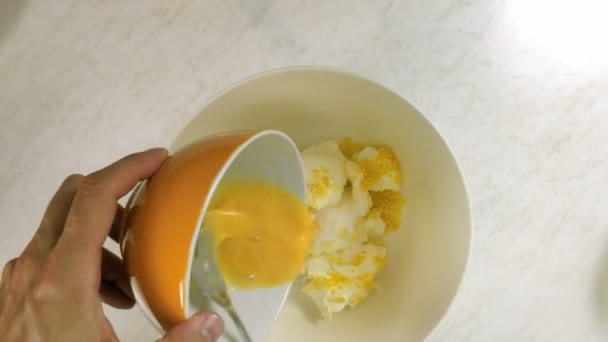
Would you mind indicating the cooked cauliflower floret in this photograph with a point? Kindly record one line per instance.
(382, 171)
(372, 224)
(325, 174)
(356, 200)
(388, 203)
(317, 266)
(345, 281)
(337, 227)
(361, 196)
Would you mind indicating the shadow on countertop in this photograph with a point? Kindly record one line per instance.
(10, 11)
(600, 289)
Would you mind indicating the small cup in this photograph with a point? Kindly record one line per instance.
(164, 214)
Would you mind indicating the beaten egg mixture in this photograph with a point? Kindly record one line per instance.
(353, 190)
(262, 234)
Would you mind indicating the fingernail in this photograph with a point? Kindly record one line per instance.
(164, 150)
(212, 328)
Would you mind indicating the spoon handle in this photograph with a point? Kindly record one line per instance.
(239, 324)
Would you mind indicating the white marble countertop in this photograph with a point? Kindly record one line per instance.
(519, 88)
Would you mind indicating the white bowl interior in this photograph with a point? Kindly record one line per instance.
(427, 256)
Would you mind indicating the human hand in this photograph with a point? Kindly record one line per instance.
(54, 290)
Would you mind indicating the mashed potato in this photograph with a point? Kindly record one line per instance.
(354, 191)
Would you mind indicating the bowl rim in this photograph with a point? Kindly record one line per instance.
(345, 73)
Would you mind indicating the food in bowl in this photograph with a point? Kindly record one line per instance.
(354, 191)
(261, 233)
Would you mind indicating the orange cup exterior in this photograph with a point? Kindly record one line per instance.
(161, 220)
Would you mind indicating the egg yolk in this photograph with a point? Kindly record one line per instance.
(261, 234)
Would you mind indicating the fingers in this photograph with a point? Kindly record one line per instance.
(113, 296)
(7, 272)
(108, 330)
(5, 281)
(202, 327)
(8, 268)
(53, 220)
(94, 207)
(115, 287)
(116, 225)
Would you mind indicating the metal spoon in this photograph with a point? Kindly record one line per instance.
(209, 280)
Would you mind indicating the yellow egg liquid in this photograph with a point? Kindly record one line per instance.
(261, 234)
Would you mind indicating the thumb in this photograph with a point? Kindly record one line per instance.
(201, 327)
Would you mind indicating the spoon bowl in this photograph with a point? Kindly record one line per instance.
(207, 278)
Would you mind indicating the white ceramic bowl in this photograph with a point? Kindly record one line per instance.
(427, 256)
